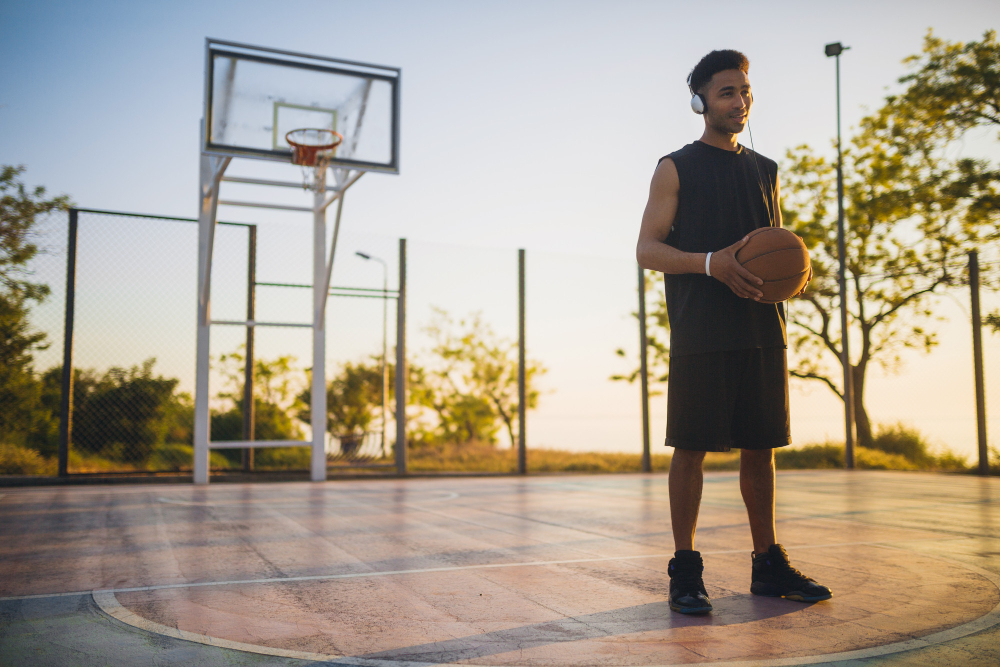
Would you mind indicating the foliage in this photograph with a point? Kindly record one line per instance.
(471, 382)
(21, 413)
(955, 85)
(124, 413)
(282, 458)
(993, 321)
(905, 441)
(353, 398)
(275, 403)
(911, 214)
(18, 460)
(657, 339)
(19, 209)
(484, 457)
(19, 390)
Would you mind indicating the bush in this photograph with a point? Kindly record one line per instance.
(282, 458)
(173, 457)
(810, 457)
(17, 460)
(876, 459)
(905, 441)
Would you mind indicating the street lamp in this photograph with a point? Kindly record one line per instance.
(385, 306)
(833, 51)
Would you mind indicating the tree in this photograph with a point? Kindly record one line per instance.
(19, 209)
(275, 402)
(470, 383)
(911, 214)
(993, 321)
(20, 393)
(353, 397)
(955, 86)
(657, 338)
(123, 414)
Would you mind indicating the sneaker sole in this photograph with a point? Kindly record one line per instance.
(797, 597)
(690, 610)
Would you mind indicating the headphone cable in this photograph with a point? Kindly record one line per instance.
(760, 182)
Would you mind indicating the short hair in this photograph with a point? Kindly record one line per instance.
(712, 64)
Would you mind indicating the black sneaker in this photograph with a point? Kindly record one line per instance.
(774, 577)
(687, 590)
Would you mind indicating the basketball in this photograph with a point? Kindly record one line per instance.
(779, 258)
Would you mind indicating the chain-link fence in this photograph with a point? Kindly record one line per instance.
(133, 352)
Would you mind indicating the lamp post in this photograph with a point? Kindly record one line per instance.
(833, 51)
(385, 305)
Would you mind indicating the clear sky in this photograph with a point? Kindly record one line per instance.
(524, 124)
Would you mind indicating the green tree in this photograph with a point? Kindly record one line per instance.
(123, 414)
(353, 401)
(657, 337)
(470, 381)
(993, 321)
(955, 86)
(20, 393)
(275, 404)
(911, 215)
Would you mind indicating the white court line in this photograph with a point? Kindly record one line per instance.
(426, 570)
(336, 500)
(107, 602)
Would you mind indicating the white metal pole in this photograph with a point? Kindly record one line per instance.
(318, 405)
(385, 320)
(210, 175)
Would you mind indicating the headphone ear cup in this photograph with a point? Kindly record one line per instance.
(698, 104)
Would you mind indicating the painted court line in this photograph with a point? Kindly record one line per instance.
(107, 602)
(427, 570)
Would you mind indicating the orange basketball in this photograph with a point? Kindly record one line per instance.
(779, 258)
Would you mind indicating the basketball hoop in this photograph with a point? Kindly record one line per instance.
(313, 147)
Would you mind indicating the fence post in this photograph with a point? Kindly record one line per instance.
(248, 400)
(977, 361)
(522, 407)
(401, 363)
(647, 465)
(66, 400)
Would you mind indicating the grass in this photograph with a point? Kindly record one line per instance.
(895, 447)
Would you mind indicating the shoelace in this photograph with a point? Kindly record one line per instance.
(687, 578)
(784, 570)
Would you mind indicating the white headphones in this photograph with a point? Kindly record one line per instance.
(698, 103)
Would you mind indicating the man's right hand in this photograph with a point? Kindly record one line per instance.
(726, 269)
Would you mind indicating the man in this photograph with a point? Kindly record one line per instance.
(728, 373)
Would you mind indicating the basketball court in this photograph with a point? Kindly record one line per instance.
(557, 570)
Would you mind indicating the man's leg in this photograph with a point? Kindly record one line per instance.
(757, 487)
(684, 484)
(771, 573)
(687, 589)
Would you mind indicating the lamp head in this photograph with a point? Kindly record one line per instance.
(362, 255)
(835, 49)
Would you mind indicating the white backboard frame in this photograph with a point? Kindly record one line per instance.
(238, 51)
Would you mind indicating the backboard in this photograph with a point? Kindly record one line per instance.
(254, 96)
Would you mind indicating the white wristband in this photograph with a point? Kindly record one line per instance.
(708, 271)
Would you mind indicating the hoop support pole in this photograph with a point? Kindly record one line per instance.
(211, 170)
(317, 405)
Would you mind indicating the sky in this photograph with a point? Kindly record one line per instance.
(524, 125)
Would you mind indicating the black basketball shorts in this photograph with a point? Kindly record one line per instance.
(720, 400)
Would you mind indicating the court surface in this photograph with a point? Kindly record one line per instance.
(557, 570)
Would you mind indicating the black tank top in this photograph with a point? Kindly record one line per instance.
(721, 200)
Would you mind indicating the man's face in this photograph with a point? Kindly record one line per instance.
(729, 101)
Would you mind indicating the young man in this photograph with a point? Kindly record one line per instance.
(728, 375)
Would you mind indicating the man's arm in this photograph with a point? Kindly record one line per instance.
(653, 253)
